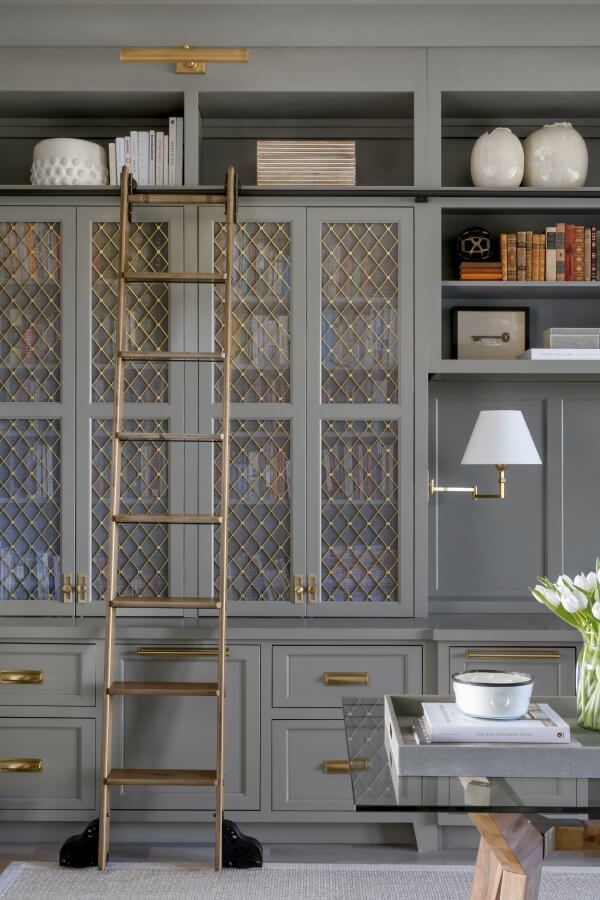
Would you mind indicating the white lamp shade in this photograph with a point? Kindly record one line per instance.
(501, 437)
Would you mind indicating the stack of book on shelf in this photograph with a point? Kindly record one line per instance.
(567, 343)
(444, 723)
(563, 252)
(481, 271)
(153, 157)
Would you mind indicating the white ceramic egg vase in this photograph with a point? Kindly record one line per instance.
(68, 161)
(497, 159)
(556, 156)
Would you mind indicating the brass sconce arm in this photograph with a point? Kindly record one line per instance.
(188, 60)
(499, 495)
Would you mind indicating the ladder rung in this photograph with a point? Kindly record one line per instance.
(168, 688)
(158, 355)
(184, 777)
(167, 518)
(169, 436)
(175, 278)
(166, 603)
(174, 197)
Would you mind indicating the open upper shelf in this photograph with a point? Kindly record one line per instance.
(467, 114)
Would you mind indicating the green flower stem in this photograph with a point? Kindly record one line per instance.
(588, 680)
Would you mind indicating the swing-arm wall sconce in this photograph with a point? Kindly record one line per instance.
(188, 60)
(498, 434)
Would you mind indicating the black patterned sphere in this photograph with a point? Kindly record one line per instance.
(474, 244)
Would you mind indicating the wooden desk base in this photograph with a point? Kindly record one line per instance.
(509, 861)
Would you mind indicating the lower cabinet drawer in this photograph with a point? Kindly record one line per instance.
(552, 667)
(47, 763)
(300, 749)
(322, 675)
(47, 674)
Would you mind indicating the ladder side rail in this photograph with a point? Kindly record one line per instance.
(225, 457)
(113, 543)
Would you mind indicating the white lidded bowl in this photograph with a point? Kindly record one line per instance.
(69, 161)
(492, 694)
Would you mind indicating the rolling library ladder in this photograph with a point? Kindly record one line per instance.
(186, 777)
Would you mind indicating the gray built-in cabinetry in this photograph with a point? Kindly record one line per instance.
(345, 396)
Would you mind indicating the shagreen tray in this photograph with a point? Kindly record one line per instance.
(579, 759)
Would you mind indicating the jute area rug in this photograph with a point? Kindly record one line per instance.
(130, 881)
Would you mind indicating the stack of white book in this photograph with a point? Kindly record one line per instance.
(444, 723)
(153, 157)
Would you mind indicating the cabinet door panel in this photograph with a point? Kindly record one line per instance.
(37, 378)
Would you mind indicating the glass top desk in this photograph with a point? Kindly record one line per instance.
(509, 813)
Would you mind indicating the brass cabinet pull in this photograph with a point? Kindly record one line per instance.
(298, 589)
(313, 593)
(21, 765)
(67, 587)
(179, 651)
(515, 653)
(351, 678)
(21, 676)
(81, 589)
(344, 766)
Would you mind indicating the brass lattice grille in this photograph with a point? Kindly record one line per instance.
(359, 323)
(148, 310)
(30, 505)
(359, 494)
(261, 311)
(259, 510)
(30, 292)
(143, 552)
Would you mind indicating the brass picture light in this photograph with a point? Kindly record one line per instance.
(188, 60)
(501, 438)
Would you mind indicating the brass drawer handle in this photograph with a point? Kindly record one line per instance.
(21, 676)
(179, 651)
(513, 654)
(21, 765)
(351, 678)
(345, 766)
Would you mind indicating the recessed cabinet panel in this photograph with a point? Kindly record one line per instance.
(321, 676)
(47, 675)
(61, 753)
(299, 751)
(180, 732)
(581, 487)
(552, 667)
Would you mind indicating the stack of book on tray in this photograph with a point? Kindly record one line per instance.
(153, 157)
(444, 723)
(481, 271)
(577, 343)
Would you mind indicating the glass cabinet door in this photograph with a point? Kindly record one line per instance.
(150, 555)
(37, 378)
(267, 473)
(359, 409)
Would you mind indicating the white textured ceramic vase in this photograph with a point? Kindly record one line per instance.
(555, 157)
(69, 161)
(497, 159)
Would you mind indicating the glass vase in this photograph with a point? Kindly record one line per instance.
(588, 682)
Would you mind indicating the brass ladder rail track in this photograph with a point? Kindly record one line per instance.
(193, 778)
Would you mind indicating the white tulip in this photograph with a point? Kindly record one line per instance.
(549, 595)
(564, 582)
(587, 582)
(596, 610)
(574, 600)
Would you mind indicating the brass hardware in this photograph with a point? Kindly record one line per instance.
(67, 587)
(344, 766)
(21, 765)
(189, 60)
(81, 589)
(179, 651)
(345, 678)
(513, 654)
(299, 589)
(21, 676)
(312, 589)
(474, 491)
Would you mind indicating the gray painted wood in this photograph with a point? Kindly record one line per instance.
(298, 673)
(69, 674)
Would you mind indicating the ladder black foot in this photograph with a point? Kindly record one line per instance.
(81, 850)
(239, 850)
